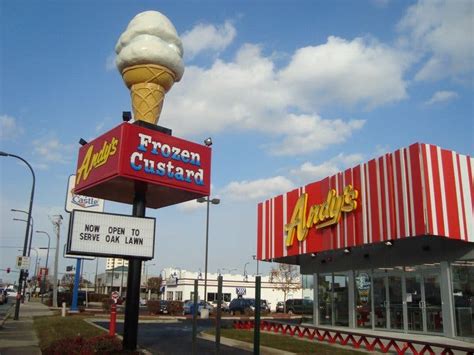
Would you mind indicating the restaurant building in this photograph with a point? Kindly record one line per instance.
(388, 244)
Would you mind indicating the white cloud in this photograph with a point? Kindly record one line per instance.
(309, 133)
(442, 96)
(311, 172)
(51, 150)
(190, 206)
(9, 128)
(443, 31)
(361, 71)
(207, 37)
(251, 93)
(257, 189)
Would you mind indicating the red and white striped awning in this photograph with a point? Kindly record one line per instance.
(416, 191)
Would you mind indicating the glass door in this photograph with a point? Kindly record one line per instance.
(432, 302)
(395, 301)
(380, 301)
(414, 302)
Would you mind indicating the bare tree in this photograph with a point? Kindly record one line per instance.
(285, 278)
(154, 284)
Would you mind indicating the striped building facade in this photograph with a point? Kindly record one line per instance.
(416, 191)
(389, 244)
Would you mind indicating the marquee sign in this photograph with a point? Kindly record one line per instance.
(111, 235)
(172, 170)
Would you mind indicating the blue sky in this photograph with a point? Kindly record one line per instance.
(289, 91)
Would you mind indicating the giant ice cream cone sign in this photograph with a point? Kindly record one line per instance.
(149, 57)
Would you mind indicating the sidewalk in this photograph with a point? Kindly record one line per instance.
(18, 336)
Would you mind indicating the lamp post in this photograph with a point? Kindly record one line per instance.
(245, 271)
(25, 245)
(147, 291)
(57, 224)
(208, 201)
(255, 258)
(46, 264)
(32, 226)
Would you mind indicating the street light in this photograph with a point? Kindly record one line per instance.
(46, 265)
(255, 258)
(245, 271)
(32, 227)
(214, 201)
(57, 224)
(146, 279)
(25, 245)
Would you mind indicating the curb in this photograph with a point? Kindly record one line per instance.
(244, 345)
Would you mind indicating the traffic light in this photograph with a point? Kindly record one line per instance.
(8, 270)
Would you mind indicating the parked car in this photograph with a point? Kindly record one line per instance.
(247, 306)
(264, 306)
(224, 306)
(163, 307)
(3, 296)
(188, 307)
(299, 306)
(241, 306)
(280, 307)
(11, 292)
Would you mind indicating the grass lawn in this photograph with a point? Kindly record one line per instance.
(285, 342)
(52, 328)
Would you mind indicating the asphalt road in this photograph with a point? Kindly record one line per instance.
(175, 338)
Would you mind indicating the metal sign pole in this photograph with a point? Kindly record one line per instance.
(195, 300)
(256, 336)
(132, 305)
(76, 286)
(219, 313)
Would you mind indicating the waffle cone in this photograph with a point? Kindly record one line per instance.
(148, 85)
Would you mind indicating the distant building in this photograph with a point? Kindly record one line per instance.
(115, 262)
(178, 285)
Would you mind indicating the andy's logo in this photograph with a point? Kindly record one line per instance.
(322, 215)
(93, 159)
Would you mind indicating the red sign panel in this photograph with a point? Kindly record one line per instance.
(171, 169)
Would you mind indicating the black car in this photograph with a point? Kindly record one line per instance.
(242, 306)
(299, 306)
(247, 306)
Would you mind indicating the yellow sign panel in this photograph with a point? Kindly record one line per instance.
(321, 215)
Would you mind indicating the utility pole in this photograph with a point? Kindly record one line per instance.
(57, 226)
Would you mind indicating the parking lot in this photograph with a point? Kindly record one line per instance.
(175, 337)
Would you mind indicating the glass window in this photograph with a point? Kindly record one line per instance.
(363, 299)
(463, 293)
(325, 298)
(169, 295)
(341, 300)
(179, 295)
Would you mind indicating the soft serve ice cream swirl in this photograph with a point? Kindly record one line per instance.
(150, 38)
